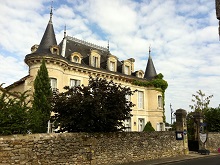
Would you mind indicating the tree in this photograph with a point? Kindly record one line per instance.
(148, 127)
(200, 102)
(212, 118)
(99, 107)
(40, 114)
(14, 113)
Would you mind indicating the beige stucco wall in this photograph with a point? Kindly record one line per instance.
(63, 72)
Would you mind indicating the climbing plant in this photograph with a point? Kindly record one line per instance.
(159, 83)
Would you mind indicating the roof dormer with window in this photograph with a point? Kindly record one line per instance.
(76, 57)
(139, 74)
(112, 63)
(54, 49)
(94, 59)
(126, 67)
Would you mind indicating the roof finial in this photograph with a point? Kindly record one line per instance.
(65, 31)
(108, 46)
(149, 50)
(51, 12)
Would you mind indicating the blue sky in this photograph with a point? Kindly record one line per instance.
(183, 36)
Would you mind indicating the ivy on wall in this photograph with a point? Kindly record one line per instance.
(157, 82)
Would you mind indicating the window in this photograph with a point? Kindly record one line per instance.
(112, 66)
(141, 124)
(74, 82)
(161, 126)
(76, 59)
(95, 61)
(160, 102)
(127, 124)
(53, 84)
(126, 70)
(140, 99)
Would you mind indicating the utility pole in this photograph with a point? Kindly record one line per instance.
(217, 6)
(171, 110)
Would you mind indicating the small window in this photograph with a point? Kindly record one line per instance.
(127, 124)
(53, 84)
(112, 66)
(160, 102)
(95, 61)
(141, 124)
(140, 100)
(126, 69)
(74, 82)
(76, 59)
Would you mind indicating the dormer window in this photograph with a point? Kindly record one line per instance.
(76, 57)
(112, 66)
(54, 49)
(126, 67)
(94, 59)
(112, 63)
(34, 48)
(140, 74)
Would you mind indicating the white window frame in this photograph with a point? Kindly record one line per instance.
(112, 66)
(53, 84)
(160, 101)
(140, 99)
(126, 70)
(74, 82)
(95, 61)
(141, 124)
(127, 124)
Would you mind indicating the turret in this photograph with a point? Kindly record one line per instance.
(48, 42)
(150, 71)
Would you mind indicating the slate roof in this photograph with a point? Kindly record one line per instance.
(150, 71)
(84, 48)
(48, 39)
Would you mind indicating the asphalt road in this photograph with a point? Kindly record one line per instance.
(213, 160)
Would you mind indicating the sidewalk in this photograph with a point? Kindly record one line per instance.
(192, 155)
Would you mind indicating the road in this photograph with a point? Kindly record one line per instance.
(212, 160)
(191, 159)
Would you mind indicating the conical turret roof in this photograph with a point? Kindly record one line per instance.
(150, 71)
(48, 39)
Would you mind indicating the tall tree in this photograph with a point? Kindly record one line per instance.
(200, 105)
(41, 103)
(200, 101)
(99, 107)
(14, 111)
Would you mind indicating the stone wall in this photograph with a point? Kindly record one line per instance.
(213, 142)
(84, 148)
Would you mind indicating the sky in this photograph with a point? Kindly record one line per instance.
(182, 35)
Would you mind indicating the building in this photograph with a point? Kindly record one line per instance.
(72, 61)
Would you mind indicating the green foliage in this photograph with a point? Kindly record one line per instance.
(200, 101)
(148, 127)
(200, 105)
(212, 118)
(99, 107)
(40, 114)
(190, 126)
(14, 113)
(158, 82)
